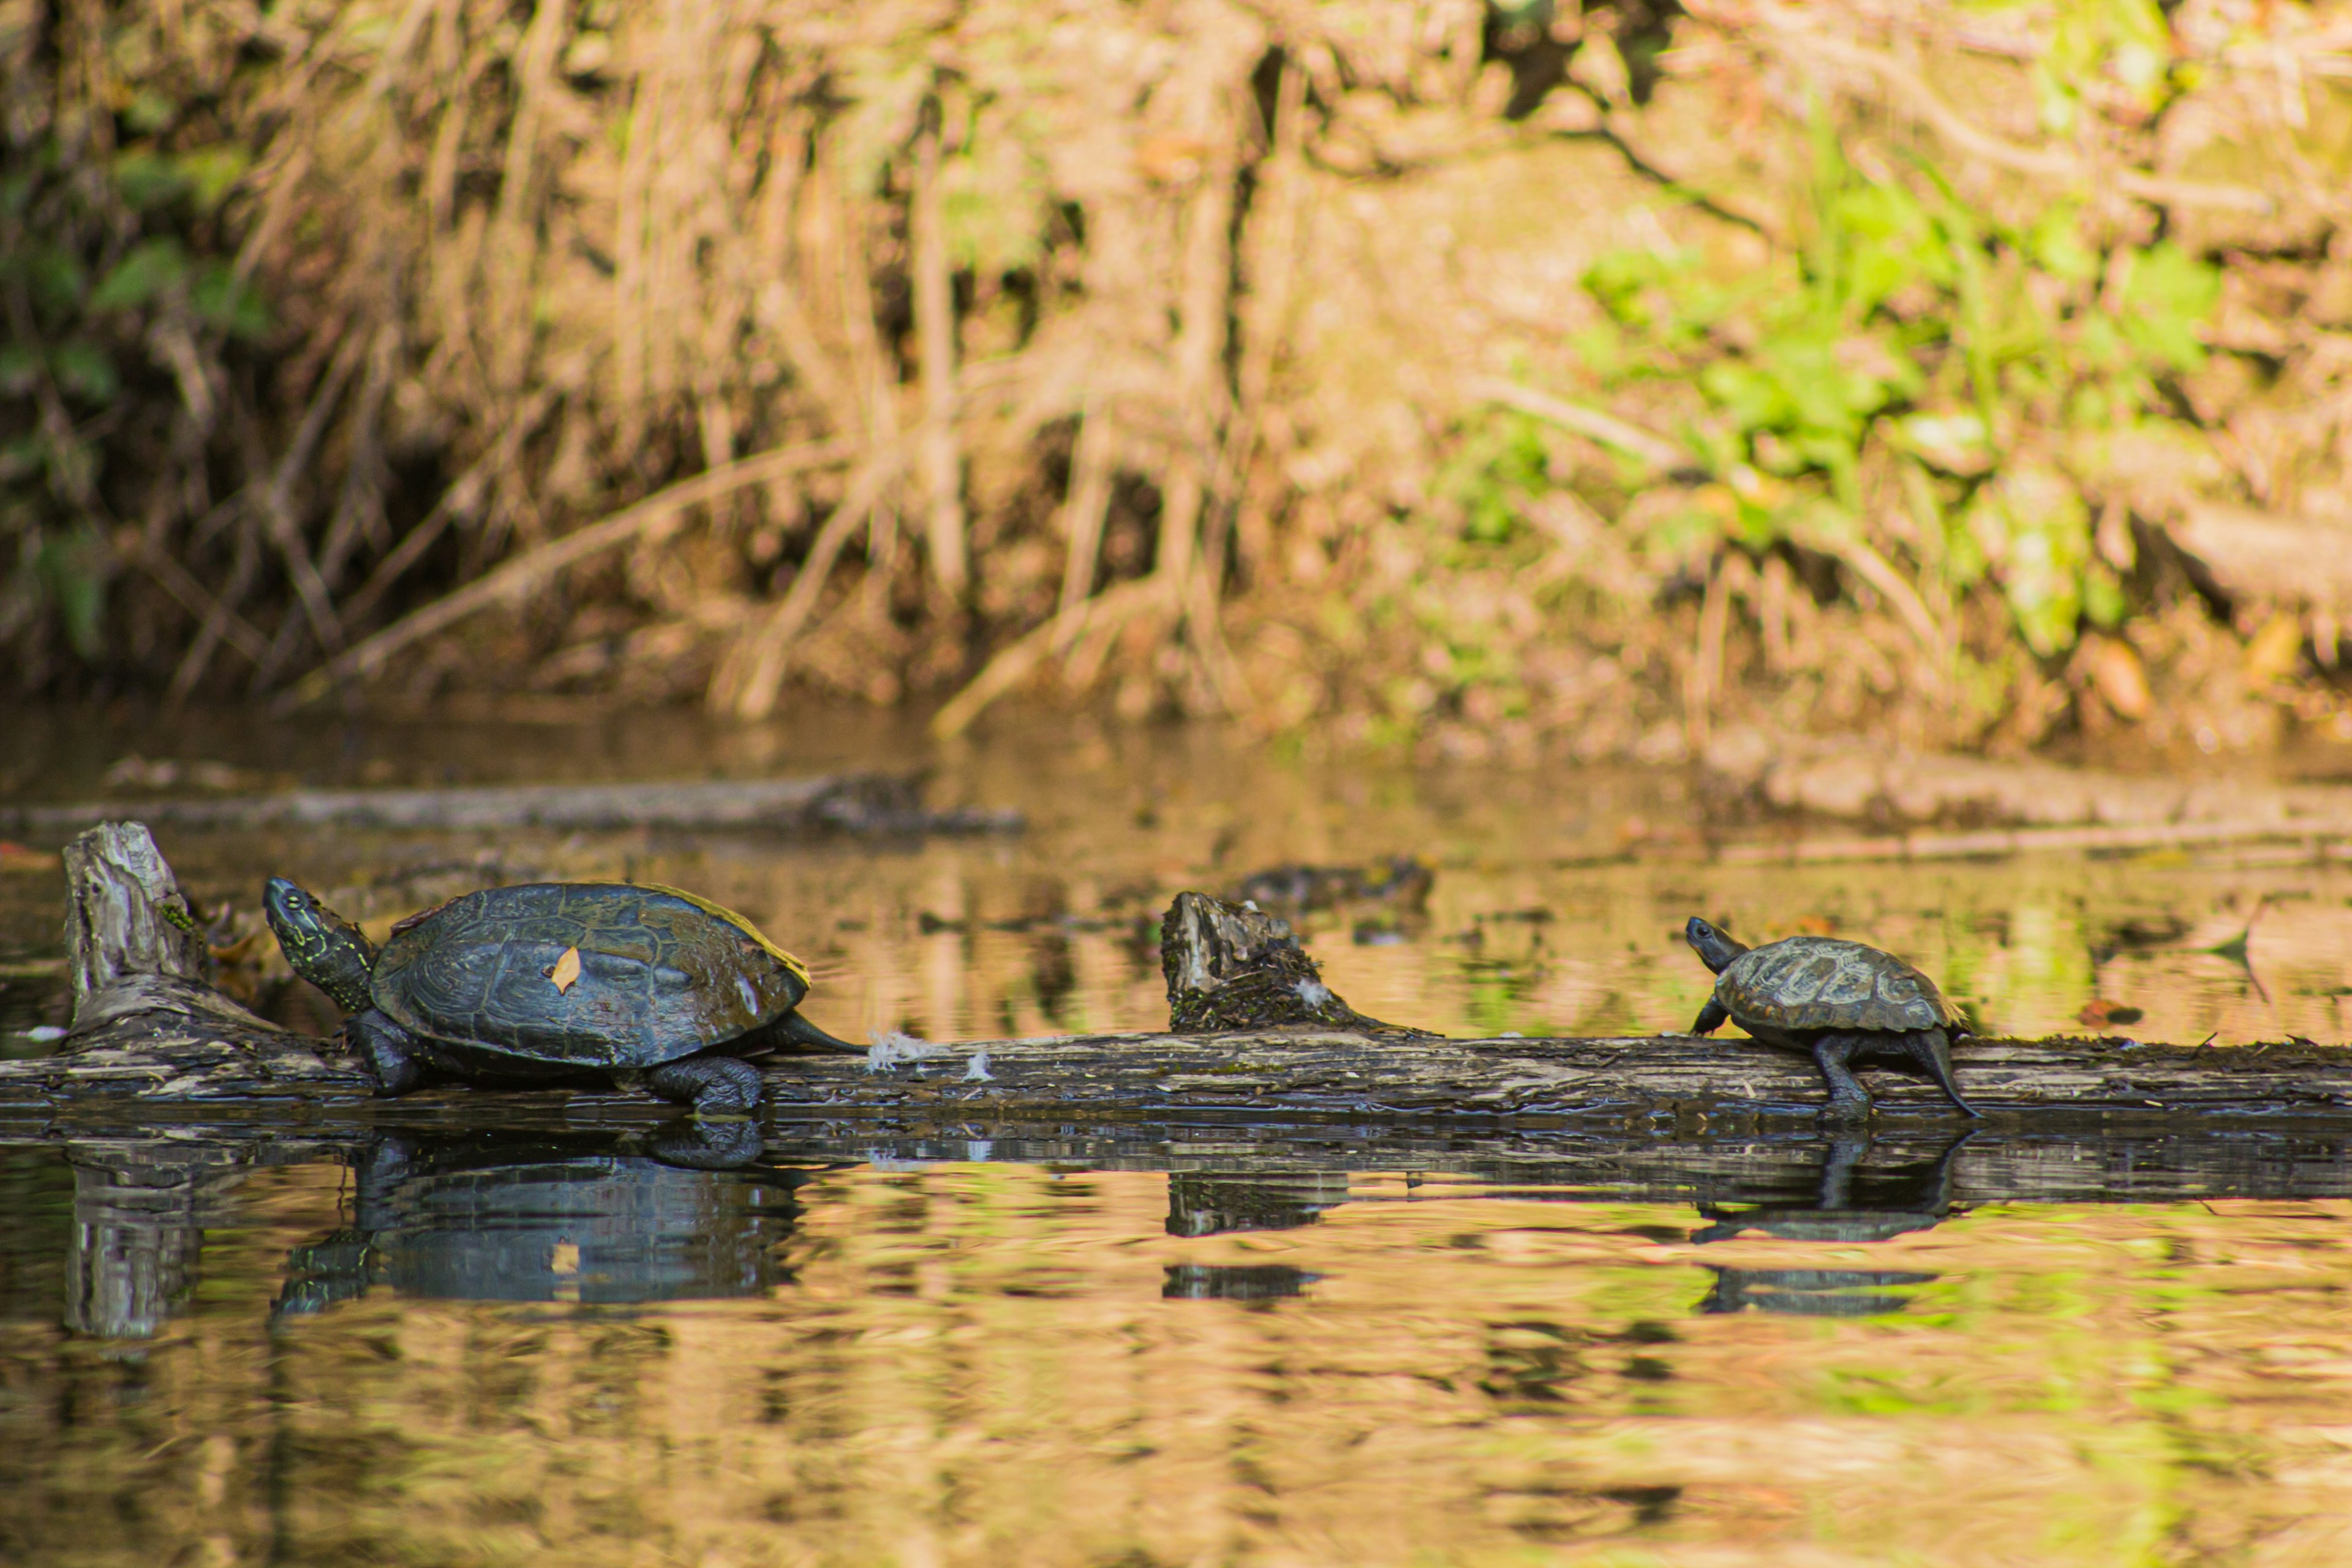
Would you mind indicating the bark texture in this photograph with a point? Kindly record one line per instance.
(1234, 966)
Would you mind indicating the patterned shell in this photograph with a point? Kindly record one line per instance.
(1821, 982)
(662, 974)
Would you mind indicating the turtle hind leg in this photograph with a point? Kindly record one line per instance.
(387, 1049)
(1932, 1049)
(1849, 1101)
(719, 1086)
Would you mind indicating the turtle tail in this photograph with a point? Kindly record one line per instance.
(792, 1026)
(1931, 1048)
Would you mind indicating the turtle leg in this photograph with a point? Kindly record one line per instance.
(712, 1085)
(1711, 1018)
(386, 1047)
(1932, 1049)
(1849, 1101)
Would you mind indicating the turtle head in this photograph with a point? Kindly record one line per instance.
(1715, 947)
(325, 948)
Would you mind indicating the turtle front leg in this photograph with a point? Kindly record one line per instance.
(720, 1086)
(1711, 1018)
(1849, 1101)
(387, 1049)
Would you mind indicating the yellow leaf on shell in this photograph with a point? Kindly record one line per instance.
(566, 969)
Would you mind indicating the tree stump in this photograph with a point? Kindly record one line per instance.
(125, 915)
(1234, 966)
(146, 1018)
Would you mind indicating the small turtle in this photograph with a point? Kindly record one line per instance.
(551, 979)
(1833, 1000)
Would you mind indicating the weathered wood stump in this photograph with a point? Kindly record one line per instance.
(1234, 966)
(146, 1018)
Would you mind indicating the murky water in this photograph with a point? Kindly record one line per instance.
(1140, 1346)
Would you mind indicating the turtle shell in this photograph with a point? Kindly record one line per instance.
(1822, 982)
(661, 975)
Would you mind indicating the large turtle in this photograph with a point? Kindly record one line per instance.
(554, 979)
(1833, 1000)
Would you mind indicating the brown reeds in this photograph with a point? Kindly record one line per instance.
(417, 343)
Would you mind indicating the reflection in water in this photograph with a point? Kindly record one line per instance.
(1856, 1204)
(1206, 1202)
(1234, 1282)
(139, 1219)
(549, 1219)
(980, 1364)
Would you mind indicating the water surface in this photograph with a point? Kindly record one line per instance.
(1149, 1345)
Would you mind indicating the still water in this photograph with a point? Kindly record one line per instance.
(1154, 1346)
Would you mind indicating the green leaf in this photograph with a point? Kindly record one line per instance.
(150, 112)
(20, 369)
(85, 370)
(212, 172)
(150, 270)
(220, 301)
(72, 568)
(2033, 528)
(2168, 295)
(148, 180)
(57, 278)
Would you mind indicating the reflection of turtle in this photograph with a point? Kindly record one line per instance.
(554, 979)
(1891, 1201)
(1834, 1000)
(564, 1218)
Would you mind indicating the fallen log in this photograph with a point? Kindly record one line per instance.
(2025, 807)
(151, 1040)
(856, 803)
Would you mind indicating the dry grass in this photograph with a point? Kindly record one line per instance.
(1136, 351)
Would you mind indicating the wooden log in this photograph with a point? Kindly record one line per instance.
(856, 803)
(149, 1036)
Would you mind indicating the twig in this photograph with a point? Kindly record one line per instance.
(192, 663)
(753, 672)
(1013, 665)
(459, 499)
(524, 574)
(1911, 91)
(935, 335)
(193, 596)
(1605, 428)
(277, 516)
(1880, 574)
(1091, 468)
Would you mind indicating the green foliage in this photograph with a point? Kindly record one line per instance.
(1492, 473)
(1914, 346)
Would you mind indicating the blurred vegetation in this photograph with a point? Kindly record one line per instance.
(1459, 376)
